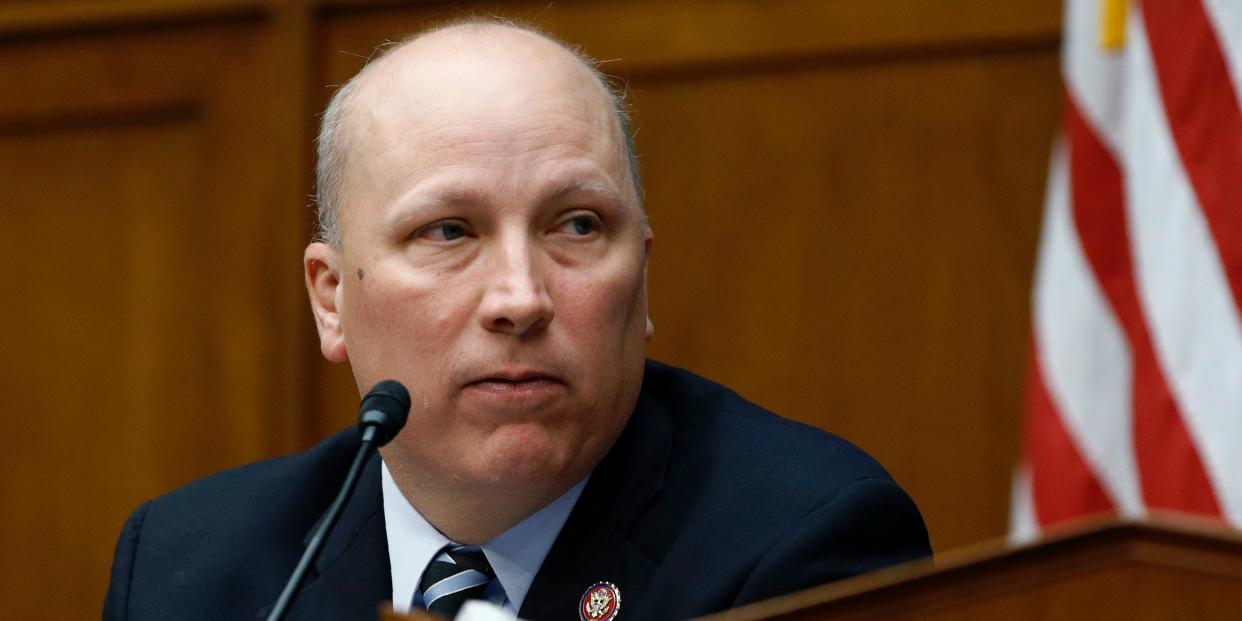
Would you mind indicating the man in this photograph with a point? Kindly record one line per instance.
(484, 243)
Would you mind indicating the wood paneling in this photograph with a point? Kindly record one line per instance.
(846, 199)
(1169, 568)
(145, 340)
(665, 32)
(857, 256)
(26, 18)
(845, 194)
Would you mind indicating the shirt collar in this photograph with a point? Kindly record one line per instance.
(515, 554)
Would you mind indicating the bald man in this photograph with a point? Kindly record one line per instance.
(483, 241)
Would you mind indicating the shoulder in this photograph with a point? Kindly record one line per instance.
(181, 551)
(756, 481)
(259, 491)
(755, 504)
(758, 452)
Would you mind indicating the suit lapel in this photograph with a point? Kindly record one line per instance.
(595, 545)
(353, 574)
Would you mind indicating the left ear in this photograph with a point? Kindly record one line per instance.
(648, 241)
(323, 283)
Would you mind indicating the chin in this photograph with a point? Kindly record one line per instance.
(528, 455)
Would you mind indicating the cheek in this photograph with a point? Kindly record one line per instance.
(404, 328)
(605, 322)
(603, 306)
(413, 304)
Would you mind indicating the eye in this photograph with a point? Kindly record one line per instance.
(581, 225)
(444, 231)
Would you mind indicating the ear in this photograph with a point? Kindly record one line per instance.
(323, 283)
(648, 241)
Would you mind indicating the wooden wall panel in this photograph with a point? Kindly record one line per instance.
(846, 199)
(144, 344)
(858, 255)
(95, 358)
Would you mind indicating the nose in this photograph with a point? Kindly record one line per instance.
(515, 300)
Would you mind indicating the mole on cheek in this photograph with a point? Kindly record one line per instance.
(361, 273)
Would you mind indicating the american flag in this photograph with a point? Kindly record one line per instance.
(1134, 397)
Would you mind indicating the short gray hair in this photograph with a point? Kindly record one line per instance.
(333, 140)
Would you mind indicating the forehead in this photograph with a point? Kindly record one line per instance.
(477, 97)
(471, 83)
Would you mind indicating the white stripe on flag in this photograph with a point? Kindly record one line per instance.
(1023, 527)
(1084, 356)
(1181, 283)
(1226, 18)
(1188, 307)
(1093, 77)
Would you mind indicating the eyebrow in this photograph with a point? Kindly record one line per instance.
(584, 186)
(408, 207)
(456, 196)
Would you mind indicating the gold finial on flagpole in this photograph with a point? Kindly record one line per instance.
(1113, 24)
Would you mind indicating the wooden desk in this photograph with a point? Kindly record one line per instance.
(1166, 568)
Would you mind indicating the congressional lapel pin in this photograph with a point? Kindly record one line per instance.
(601, 602)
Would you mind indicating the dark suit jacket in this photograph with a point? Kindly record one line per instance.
(705, 502)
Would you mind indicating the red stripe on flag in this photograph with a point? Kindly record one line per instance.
(1063, 486)
(1205, 117)
(1171, 472)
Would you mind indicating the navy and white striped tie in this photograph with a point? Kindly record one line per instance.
(458, 573)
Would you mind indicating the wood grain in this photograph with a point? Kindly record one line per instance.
(1166, 567)
(145, 345)
(35, 18)
(845, 223)
(846, 198)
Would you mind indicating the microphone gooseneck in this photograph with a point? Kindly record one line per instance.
(382, 414)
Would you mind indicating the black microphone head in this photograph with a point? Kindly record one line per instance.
(384, 409)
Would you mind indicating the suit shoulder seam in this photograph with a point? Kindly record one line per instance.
(824, 502)
(139, 519)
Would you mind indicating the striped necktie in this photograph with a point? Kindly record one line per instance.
(458, 573)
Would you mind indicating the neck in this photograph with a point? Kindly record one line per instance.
(471, 515)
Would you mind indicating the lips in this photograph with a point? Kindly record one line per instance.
(516, 378)
(500, 385)
(516, 385)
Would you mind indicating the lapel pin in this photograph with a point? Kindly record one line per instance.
(601, 602)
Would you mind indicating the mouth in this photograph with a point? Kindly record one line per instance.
(516, 382)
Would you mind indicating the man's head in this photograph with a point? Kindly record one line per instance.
(490, 253)
(333, 140)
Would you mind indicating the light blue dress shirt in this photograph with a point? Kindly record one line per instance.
(515, 554)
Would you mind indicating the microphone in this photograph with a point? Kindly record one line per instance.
(381, 415)
(383, 412)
